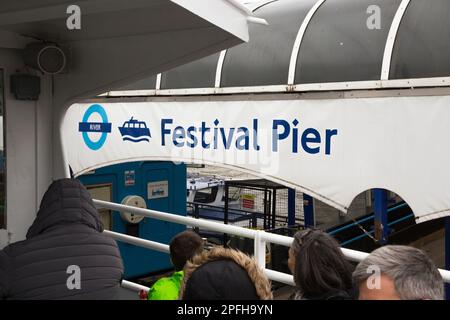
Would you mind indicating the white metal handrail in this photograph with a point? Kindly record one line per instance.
(138, 241)
(260, 238)
(134, 286)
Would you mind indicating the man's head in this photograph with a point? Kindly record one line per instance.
(183, 247)
(398, 273)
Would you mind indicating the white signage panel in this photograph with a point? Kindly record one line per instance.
(331, 149)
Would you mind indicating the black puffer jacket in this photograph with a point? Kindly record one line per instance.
(66, 232)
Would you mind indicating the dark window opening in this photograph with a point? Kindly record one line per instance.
(206, 195)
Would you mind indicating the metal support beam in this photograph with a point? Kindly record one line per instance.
(260, 250)
(308, 210)
(380, 222)
(299, 39)
(291, 207)
(274, 207)
(225, 220)
(390, 42)
(265, 209)
(219, 68)
(447, 254)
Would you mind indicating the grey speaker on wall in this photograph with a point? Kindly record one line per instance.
(48, 58)
(25, 86)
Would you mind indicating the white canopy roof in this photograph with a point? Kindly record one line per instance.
(120, 41)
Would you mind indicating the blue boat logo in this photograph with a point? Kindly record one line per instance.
(135, 131)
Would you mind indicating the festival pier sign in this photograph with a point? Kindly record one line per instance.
(331, 149)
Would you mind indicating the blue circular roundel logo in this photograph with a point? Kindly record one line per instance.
(103, 127)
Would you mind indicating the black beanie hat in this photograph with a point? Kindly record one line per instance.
(220, 280)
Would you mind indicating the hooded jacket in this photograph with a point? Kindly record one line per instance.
(65, 255)
(224, 274)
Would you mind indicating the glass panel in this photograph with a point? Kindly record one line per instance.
(207, 195)
(2, 156)
(197, 74)
(338, 44)
(422, 47)
(144, 84)
(102, 193)
(264, 60)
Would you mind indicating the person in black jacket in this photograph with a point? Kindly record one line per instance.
(65, 254)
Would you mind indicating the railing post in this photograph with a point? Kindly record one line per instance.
(274, 206)
(380, 209)
(308, 210)
(254, 220)
(260, 249)
(196, 216)
(265, 210)
(225, 218)
(291, 207)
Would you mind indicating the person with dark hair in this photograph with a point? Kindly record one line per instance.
(65, 254)
(183, 247)
(224, 274)
(320, 270)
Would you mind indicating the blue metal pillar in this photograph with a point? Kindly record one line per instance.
(381, 222)
(447, 254)
(291, 207)
(308, 210)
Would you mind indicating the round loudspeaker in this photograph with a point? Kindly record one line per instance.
(47, 58)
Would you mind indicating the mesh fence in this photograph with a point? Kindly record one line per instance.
(260, 202)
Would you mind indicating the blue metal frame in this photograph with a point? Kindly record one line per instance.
(291, 207)
(409, 216)
(308, 210)
(381, 222)
(372, 217)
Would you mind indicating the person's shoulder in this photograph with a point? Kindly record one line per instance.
(4, 261)
(164, 289)
(13, 249)
(4, 273)
(162, 282)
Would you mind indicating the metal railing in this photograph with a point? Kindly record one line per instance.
(260, 239)
(369, 218)
(235, 216)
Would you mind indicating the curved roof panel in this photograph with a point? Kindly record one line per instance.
(144, 84)
(422, 47)
(265, 59)
(343, 43)
(327, 41)
(196, 74)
